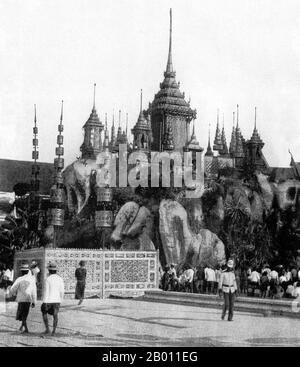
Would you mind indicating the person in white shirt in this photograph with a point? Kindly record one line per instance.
(53, 297)
(296, 292)
(186, 279)
(210, 277)
(254, 279)
(227, 285)
(25, 289)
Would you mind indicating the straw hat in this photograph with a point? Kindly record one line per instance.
(51, 266)
(24, 267)
(230, 263)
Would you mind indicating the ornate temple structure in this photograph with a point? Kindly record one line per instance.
(171, 114)
(241, 153)
(92, 143)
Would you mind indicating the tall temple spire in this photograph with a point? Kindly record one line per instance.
(224, 150)
(255, 138)
(239, 148)
(35, 156)
(57, 196)
(169, 68)
(141, 130)
(218, 141)
(94, 103)
(119, 128)
(232, 146)
(209, 151)
(92, 143)
(113, 135)
(167, 103)
(106, 137)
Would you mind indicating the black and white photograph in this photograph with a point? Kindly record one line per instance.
(149, 176)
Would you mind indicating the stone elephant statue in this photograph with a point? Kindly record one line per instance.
(181, 244)
(77, 180)
(133, 226)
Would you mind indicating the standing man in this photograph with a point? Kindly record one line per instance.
(25, 289)
(53, 296)
(80, 275)
(210, 277)
(35, 270)
(228, 285)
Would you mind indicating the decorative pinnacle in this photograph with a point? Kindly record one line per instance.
(218, 111)
(113, 121)
(233, 119)
(141, 100)
(255, 118)
(61, 112)
(35, 115)
(237, 115)
(119, 118)
(105, 121)
(94, 96)
(169, 63)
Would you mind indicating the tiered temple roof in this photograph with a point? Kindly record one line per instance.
(169, 99)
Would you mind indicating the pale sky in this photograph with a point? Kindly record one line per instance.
(224, 53)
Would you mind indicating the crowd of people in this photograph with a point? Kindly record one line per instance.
(266, 282)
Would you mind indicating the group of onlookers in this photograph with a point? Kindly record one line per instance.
(275, 282)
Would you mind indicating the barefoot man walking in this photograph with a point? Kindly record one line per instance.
(25, 289)
(53, 296)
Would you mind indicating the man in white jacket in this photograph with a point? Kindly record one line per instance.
(53, 296)
(25, 289)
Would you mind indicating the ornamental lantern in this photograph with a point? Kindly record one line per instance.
(57, 194)
(104, 209)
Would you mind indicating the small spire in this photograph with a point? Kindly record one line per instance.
(209, 152)
(141, 101)
(255, 119)
(218, 112)
(193, 133)
(169, 63)
(233, 119)
(113, 116)
(35, 115)
(94, 96)
(237, 115)
(61, 111)
(105, 121)
(119, 118)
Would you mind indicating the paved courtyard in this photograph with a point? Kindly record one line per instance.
(135, 323)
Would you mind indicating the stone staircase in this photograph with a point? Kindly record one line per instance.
(267, 307)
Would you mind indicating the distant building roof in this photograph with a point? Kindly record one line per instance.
(13, 172)
(279, 174)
